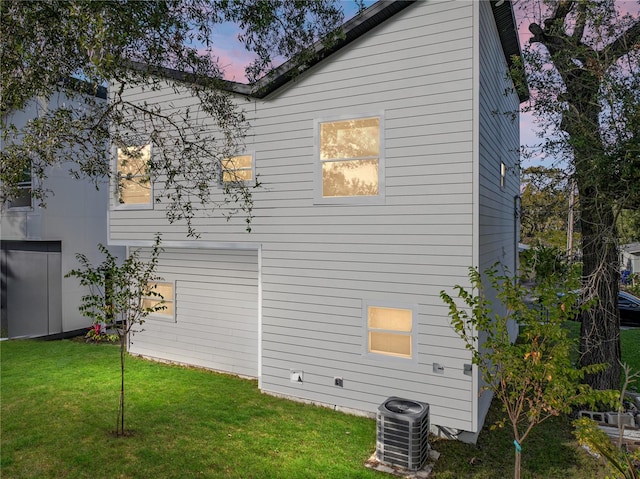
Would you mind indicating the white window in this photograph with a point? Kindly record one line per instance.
(166, 290)
(349, 159)
(23, 198)
(503, 174)
(237, 169)
(390, 331)
(134, 184)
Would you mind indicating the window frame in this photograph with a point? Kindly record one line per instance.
(503, 175)
(161, 316)
(223, 182)
(116, 178)
(318, 180)
(26, 187)
(413, 334)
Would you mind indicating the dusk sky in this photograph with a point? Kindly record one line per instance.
(234, 57)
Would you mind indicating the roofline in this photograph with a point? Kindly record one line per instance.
(353, 29)
(508, 32)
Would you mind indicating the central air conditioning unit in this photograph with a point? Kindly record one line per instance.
(403, 433)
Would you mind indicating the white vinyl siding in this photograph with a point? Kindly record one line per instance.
(498, 173)
(216, 316)
(320, 262)
(499, 176)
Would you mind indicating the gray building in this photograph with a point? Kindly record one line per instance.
(38, 245)
(342, 272)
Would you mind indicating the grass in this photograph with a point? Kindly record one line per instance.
(549, 452)
(59, 402)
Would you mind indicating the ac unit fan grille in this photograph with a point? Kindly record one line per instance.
(403, 437)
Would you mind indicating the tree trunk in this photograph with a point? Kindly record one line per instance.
(600, 327)
(120, 425)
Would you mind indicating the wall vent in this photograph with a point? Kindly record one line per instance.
(403, 433)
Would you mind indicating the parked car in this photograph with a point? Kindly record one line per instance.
(629, 307)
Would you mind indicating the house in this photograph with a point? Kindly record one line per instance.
(630, 257)
(334, 297)
(39, 244)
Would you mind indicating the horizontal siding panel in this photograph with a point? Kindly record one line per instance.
(414, 375)
(381, 76)
(321, 267)
(430, 263)
(382, 293)
(457, 214)
(411, 287)
(369, 95)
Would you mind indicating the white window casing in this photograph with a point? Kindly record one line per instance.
(238, 169)
(168, 291)
(349, 160)
(390, 331)
(133, 186)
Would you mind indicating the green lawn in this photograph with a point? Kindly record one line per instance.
(59, 403)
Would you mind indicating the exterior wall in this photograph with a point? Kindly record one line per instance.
(75, 215)
(216, 316)
(320, 263)
(498, 129)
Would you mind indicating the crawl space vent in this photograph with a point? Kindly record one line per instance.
(403, 433)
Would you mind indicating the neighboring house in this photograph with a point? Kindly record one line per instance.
(630, 257)
(389, 168)
(39, 245)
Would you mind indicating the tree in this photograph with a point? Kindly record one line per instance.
(45, 47)
(120, 297)
(581, 67)
(629, 226)
(545, 207)
(534, 378)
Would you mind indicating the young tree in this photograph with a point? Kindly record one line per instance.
(582, 70)
(45, 45)
(120, 297)
(534, 378)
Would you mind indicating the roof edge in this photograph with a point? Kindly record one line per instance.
(353, 29)
(506, 24)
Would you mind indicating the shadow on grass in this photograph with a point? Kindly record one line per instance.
(550, 451)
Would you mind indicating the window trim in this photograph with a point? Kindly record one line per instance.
(366, 304)
(503, 175)
(114, 183)
(160, 316)
(223, 183)
(317, 180)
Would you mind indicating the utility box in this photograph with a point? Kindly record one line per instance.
(403, 433)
